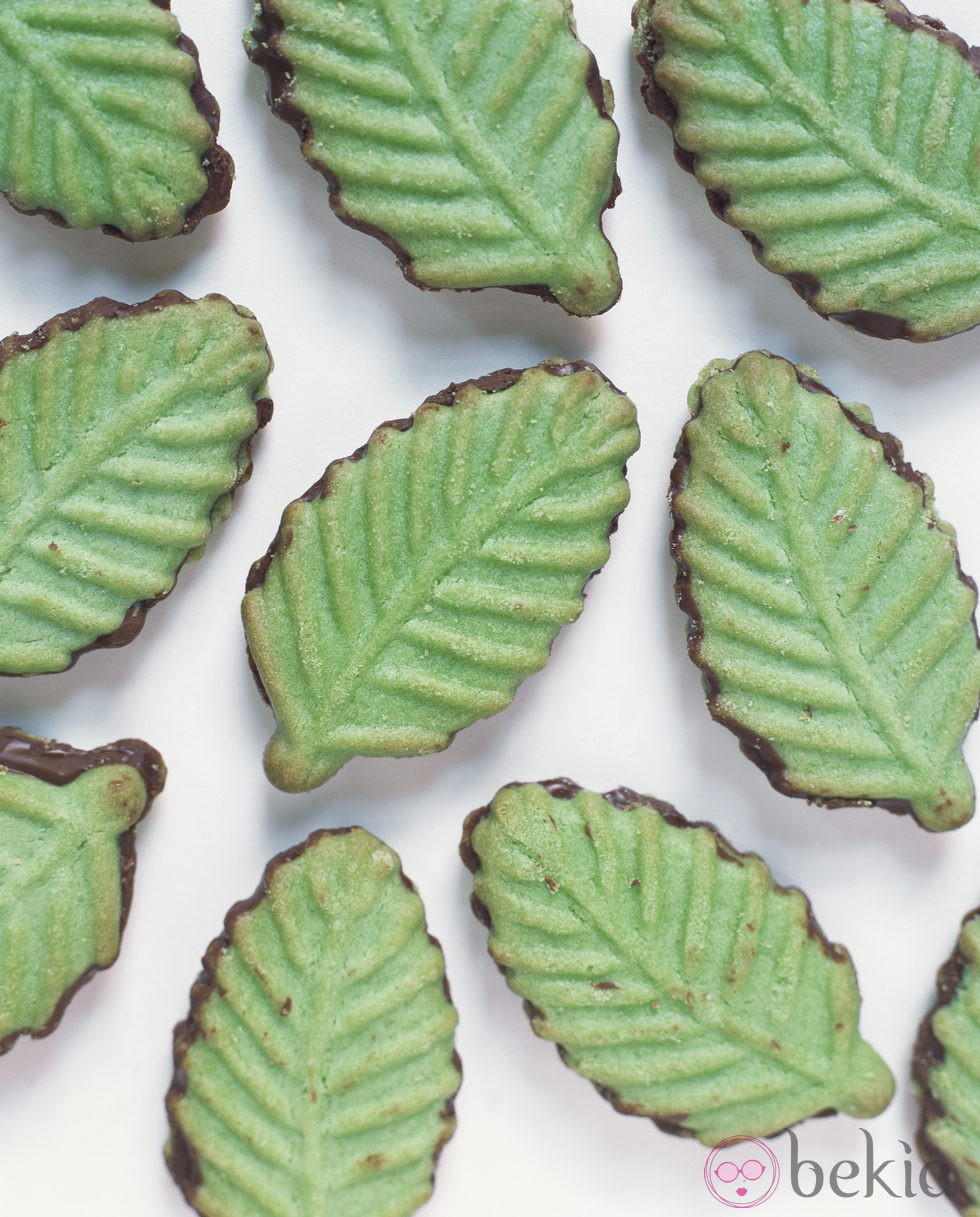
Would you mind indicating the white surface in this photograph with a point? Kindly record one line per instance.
(81, 1113)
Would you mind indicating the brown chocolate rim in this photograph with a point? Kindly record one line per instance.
(267, 53)
(219, 169)
(659, 102)
(493, 382)
(180, 1154)
(112, 310)
(58, 765)
(759, 750)
(628, 800)
(929, 1054)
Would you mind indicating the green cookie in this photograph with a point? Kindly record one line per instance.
(669, 969)
(125, 431)
(67, 860)
(842, 138)
(944, 1068)
(828, 610)
(472, 137)
(315, 1073)
(418, 582)
(105, 119)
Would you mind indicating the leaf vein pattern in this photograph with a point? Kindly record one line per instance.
(674, 986)
(786, 85)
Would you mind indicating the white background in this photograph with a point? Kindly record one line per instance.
(81, 1113)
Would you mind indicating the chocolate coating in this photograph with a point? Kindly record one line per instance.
(59, 764)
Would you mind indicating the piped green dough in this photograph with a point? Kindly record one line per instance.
(98, 124)
(946, 1060)
(61, 899)
(842, 137)
(316, 1071)
(830, 615)
(670, 970)
(125, 430)
(422, 579)
(473, 138)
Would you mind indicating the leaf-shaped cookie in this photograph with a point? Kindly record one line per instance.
(411, 590)
(828, 609)
(67, 859)
(945, 1066)
(105, 121)
(124, 431)
(472, 137)
(842, 138)
(315, 1074)
(670, 969)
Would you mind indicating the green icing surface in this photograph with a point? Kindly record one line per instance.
(97, 121)
(60, 888)
(121, 440)
(671, 971)
(952, 1131)
(415, 596)
(461, 131)
(848, 146)
(837, 628)
(317, 1071)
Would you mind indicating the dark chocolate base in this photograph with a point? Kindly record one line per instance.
(760, 751)
(267, 30)
(59, 765)
(628, 800)
(659, 102)
(180, 1154)
(103, 307)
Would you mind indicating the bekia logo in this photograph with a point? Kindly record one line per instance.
(741, 1173)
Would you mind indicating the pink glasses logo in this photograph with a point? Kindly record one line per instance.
(741, 1173)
